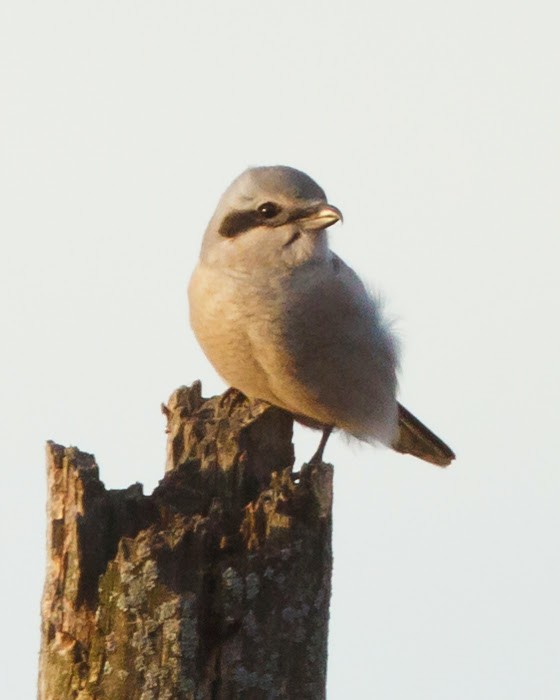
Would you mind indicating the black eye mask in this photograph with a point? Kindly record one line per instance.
(238, 222)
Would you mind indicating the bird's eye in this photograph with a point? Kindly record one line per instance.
(268, 210)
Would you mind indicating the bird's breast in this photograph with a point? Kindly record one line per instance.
(237, 323)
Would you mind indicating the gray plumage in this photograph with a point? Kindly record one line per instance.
(284, 319)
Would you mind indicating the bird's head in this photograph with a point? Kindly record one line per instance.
(269, 216)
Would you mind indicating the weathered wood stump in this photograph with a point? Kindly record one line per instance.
(215, 586)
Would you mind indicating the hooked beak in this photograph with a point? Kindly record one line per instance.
(319, 217)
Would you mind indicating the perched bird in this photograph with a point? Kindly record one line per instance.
(284, 319)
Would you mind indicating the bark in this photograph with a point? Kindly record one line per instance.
(215, 586)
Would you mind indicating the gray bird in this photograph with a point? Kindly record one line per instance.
(284, 319)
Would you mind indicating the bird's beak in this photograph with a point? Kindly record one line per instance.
(319, 217)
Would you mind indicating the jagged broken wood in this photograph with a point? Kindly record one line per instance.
(215, 586)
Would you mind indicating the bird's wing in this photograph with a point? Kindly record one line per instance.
(415, 438)
(334, 357)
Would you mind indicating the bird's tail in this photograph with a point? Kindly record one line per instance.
(414, 438)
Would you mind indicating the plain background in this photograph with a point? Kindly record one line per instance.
(434, 126)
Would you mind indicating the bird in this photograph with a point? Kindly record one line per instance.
(283, 319)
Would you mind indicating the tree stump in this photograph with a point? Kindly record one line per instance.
(215, 586)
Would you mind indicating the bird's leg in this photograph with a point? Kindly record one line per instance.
(318, 456)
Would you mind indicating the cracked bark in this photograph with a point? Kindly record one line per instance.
(216, 586)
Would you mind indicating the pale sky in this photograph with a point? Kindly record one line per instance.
(434, 126)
